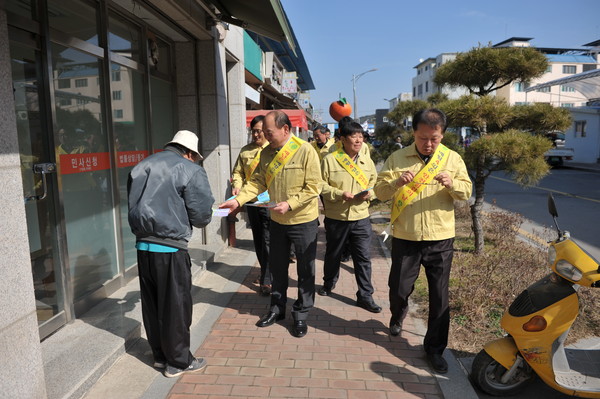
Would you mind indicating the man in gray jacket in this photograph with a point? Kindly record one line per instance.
(168, 193)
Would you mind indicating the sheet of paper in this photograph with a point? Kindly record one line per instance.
(221, 212)
(263, 197)
(364, 191)
(263, 204)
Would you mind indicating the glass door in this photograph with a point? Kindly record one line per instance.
(39, 180)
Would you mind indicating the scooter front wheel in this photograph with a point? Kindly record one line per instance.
(487, 374)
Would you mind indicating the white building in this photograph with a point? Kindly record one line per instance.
(562, 63)
(423, 84)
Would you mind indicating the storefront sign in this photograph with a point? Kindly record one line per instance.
(79, 163)
(130, 158)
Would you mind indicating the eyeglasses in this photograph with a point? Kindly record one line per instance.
(257, 131)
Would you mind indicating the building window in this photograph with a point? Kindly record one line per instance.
(549, 69)
(589, 67)
(116, 95)
(546, 89)
(81, 82)
(82, 101)
(566, 88)
(426, 87)
(63, 102)
(567, 105)
(420, 90)
(569, 69)
(118, 114)
(580, 128)
(414, 91)
(521, 86)
(116, 76)
(64, 83)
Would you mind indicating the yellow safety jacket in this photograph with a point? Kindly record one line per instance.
(337, 180)
(323, 150)
(298, 183)
(241, 170)
(430, 216)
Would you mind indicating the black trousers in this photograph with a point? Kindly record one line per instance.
(357, 235)
(259, 223)
(436, 257)
(304, 238)
(166, 292)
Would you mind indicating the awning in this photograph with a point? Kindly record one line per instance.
(297, 116)
(587, 83)
(265, 17)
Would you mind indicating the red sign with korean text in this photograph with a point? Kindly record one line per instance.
(79, 163)
(130, 158)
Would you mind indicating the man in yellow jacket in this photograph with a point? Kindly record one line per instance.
(322, 142)
(348, 181)
(289, 168)
(423, 179)
(259, 219)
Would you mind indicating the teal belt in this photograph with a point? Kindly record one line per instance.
(151, 247)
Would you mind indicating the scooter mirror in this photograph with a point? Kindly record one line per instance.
(552, 206)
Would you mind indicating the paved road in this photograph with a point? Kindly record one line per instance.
(577, 196)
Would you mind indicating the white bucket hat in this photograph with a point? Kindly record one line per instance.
(187, 139)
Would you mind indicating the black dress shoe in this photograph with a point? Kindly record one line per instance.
(368, 305)
(265, 290)
(324, 291)
(395, 328)
(438, 363)
(269, 319)
(299, 329)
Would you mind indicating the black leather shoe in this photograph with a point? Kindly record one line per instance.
(324, 291)
(368, 305)
(299, 329)
(395, 328)
(269, 319)
(438, 363)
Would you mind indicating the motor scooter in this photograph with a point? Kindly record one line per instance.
(537, 323)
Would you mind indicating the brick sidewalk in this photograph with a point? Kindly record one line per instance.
(347, 352)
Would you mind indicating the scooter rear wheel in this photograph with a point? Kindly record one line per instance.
(487, 372)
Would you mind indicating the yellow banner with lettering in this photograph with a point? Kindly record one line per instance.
(347, 163)
(283, 156)
(255, 161)
(407, 193)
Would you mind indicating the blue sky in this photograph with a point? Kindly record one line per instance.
(342, 38)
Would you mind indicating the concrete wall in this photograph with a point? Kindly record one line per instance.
(20, 350)
(587, 149)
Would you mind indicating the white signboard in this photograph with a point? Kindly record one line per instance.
(289, 84)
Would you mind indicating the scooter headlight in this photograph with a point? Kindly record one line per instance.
(551, 255)
(567, 270)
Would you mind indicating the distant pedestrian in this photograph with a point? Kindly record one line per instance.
(168, 193)
(398, 142)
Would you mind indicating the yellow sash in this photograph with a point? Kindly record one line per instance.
(351, 167)
(283, 156)
(254, 163)
(407, 193)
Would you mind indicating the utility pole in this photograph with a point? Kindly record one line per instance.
(354, 79)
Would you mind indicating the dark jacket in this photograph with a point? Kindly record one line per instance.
(167, 195)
